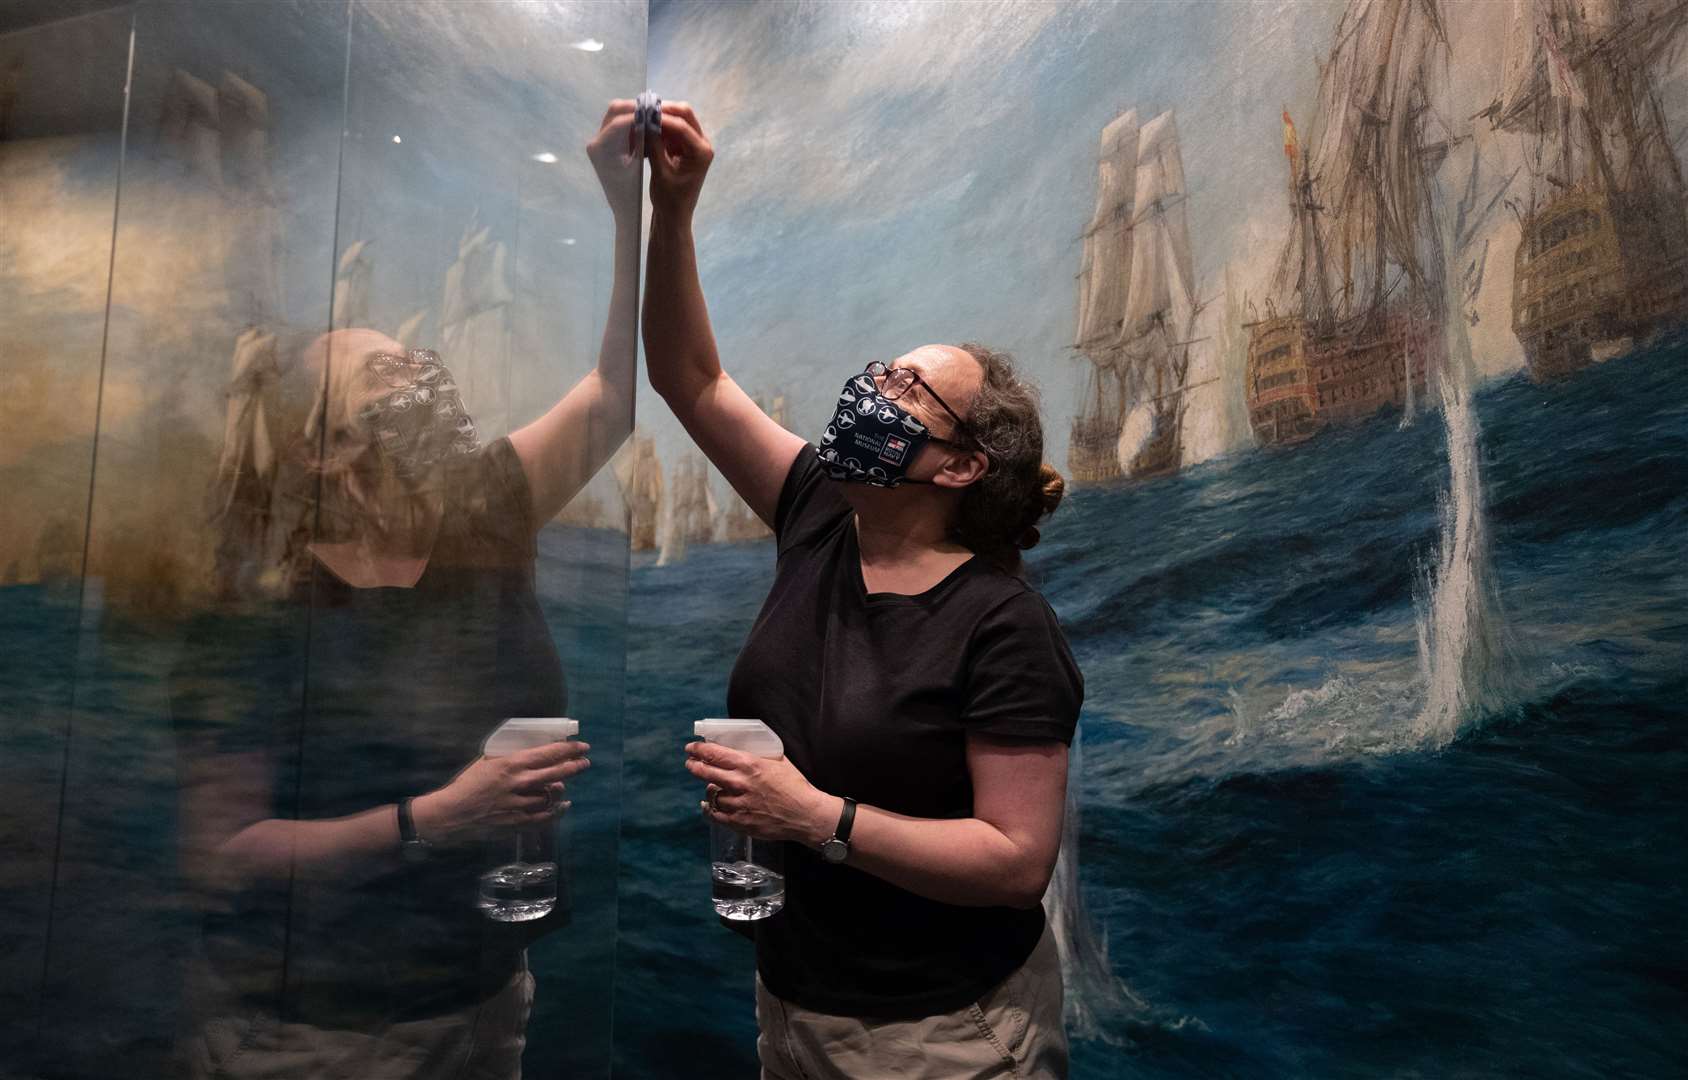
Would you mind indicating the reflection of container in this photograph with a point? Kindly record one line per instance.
(748, 874)
(520, 882)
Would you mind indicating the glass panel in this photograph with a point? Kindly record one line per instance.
(61, 116)
(254, 687)
(223, 237)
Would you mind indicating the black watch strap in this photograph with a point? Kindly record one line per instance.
(846, 820)
(407, 823)
(411, 846)
(836, 848)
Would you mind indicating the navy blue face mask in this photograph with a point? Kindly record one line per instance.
(872, 439)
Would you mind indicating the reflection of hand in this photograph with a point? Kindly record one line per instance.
(524, 788)
(679, 160)
(766, 798)
(615, 161)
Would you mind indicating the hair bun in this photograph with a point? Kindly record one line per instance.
(1054, 487)
(1028, 539)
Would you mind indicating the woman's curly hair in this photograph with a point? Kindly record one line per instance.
(1000, 511)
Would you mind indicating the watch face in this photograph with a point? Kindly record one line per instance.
(834, 850)
(415, 850)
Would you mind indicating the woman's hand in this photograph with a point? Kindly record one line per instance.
(766, 798)
(524, 788)
(615, 157)
(679, 161)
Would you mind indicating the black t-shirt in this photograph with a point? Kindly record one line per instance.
(874, 695)
(353, 698)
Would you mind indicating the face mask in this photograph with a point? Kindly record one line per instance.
(420, 420)
(872, 439)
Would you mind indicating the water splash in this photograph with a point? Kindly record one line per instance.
(1099, 1004)
(1462, 652)
(1463, 656)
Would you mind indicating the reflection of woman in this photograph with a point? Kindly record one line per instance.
(334, 797)
(906, 664)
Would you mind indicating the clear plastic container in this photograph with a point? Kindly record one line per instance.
(747, 875)
(519, 883)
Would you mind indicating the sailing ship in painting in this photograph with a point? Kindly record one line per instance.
(1602, 262)
(690, 516)
(638, 472)
(1356, 321)
(739, 523)
(1137, 307)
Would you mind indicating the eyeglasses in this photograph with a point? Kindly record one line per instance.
(900, 380)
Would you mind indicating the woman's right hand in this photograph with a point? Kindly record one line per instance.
(679, 160)
(613, 159)
(524, 788)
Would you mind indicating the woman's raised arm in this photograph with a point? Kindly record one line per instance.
(562, 450)
(752, 451)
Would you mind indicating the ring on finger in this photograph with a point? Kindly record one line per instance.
(714, 798)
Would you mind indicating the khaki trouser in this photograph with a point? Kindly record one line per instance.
(482, 1042)
(1014, 1031)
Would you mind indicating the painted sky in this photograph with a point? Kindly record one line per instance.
(889, 174)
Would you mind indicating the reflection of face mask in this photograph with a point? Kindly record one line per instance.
(872, 439)
(420, 420)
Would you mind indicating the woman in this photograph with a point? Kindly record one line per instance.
(924, 692)
(334, 799)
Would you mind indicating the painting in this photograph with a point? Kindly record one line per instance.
(1359, 331)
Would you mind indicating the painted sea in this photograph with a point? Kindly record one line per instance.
(1382, 769)
(1384, 753)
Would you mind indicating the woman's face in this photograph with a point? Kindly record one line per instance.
(956, 377)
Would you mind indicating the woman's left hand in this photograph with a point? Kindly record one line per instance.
(766, 798)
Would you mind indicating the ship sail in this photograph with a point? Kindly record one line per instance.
(1104, 281)
(475, 327)
(1371, 168)
(638, 472)
(351, 287)
(1161, 305)
(1106, 267)
(1578, 76)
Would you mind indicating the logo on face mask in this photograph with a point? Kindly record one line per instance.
(870, 425)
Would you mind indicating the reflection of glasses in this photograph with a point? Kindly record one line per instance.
(416, 366)
(900, 380)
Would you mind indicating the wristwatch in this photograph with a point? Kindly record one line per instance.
(412, 847)
(837, 848)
